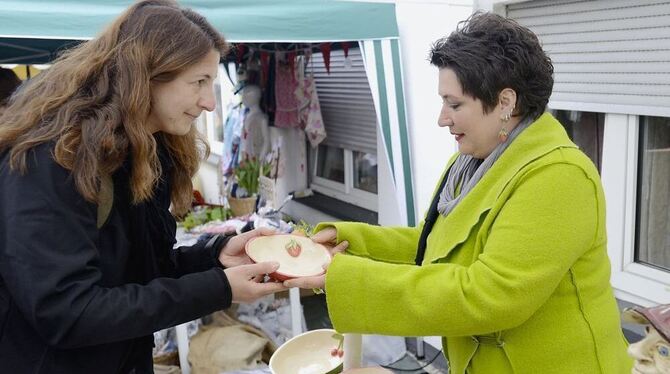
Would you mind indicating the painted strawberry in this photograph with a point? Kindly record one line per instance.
(293, 248)
(338, 351)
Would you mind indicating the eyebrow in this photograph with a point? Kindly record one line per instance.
(198, 75)
(449, 96)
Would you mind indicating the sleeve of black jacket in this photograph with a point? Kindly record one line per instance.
(201, 256)
(49, 263)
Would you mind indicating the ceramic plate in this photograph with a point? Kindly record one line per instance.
(307, 353)
(298, 256)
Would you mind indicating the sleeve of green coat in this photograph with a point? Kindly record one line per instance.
(388, 244)
(547, 223)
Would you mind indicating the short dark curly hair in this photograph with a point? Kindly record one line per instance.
(489, 53)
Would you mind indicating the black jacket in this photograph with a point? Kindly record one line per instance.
(75, 299)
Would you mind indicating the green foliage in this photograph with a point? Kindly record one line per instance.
(203, 214)
(247, 174)
(303, 227)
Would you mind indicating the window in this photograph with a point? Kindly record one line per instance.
(344, 166)
(211, 124)
(653, 197)
(331, 164)
(365, 171)
(346, 175)
(586, 131)
(635, 179)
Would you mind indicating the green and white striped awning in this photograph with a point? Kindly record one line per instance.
(384, 70)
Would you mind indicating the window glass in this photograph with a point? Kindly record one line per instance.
(330, 163)
(653, 196)
(220, 105)
(586, 131)
(212, 125)
(365, 171)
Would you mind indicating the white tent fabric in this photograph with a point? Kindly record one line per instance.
(384, 70)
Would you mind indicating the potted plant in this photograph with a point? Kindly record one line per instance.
(246, 174)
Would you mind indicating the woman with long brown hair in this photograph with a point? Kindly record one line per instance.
(93, 152)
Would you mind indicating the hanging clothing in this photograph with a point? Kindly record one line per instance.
(268, 102)
(232, 132)
(287, 105)
(310, 115)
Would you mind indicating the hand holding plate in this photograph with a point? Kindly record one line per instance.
(233, 253)
(244, 282)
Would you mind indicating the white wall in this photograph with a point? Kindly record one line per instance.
(207, 181)
(420, 24)
(388, 208)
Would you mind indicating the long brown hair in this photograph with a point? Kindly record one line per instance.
(94, 101)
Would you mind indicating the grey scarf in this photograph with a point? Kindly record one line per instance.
(467, 171)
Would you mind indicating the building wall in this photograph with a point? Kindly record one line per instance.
(420, 24)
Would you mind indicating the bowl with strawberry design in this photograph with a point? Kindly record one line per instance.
(313, 352)
(298, 256)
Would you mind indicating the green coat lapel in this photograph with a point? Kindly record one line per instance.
(543, 136)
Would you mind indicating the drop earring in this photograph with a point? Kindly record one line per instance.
(503, 134)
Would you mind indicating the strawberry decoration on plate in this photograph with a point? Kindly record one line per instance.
(293, 248)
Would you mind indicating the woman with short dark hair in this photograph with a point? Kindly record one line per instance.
(510, 264)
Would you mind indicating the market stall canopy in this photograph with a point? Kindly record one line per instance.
(34, 31)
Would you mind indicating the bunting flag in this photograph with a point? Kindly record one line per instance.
(325, 49)
(241, 50)
(345, 48)
(383, 68)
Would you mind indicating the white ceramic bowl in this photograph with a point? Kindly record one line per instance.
(307, 353)
(309, 262)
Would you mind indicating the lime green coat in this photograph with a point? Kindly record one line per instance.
(515, 279)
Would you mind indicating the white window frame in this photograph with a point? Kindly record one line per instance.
(634, 282)
(343, 191)
(206, 119)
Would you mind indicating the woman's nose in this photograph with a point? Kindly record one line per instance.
(207, 100)
(443, 120)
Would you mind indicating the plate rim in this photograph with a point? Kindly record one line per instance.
(282, 275)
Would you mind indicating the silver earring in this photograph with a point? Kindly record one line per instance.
(506, 117)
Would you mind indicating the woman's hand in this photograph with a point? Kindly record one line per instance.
(328, 237)
(246, 281)
(233, 253)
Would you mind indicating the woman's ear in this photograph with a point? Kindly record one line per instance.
(507, 98)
